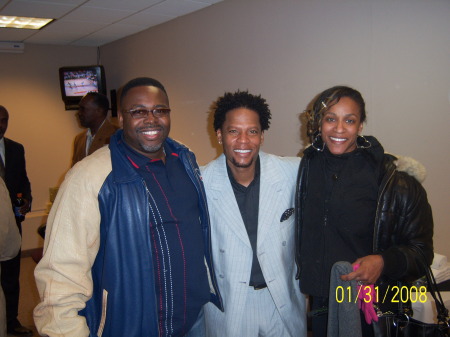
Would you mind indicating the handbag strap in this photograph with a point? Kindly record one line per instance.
(442, 311)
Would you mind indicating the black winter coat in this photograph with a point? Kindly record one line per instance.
(403, 229)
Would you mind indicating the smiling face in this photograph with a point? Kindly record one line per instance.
(341, 125)
(146, 135)
(241, 136)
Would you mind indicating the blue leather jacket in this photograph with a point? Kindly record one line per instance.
(124, 299)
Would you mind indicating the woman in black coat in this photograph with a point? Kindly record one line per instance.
(353, 204)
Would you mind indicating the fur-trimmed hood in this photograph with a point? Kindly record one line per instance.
(411, 166)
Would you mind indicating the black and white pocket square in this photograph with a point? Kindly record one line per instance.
(286, 215)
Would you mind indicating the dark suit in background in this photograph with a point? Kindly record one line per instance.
(16, 180)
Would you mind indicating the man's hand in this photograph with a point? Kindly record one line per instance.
(370, 268)
(25, 208)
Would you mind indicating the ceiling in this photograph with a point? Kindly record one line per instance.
(92, 22)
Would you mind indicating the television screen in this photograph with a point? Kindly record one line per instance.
(75, 82)
(80, 82)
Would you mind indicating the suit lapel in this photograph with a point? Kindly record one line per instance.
(101, 137)
(225, 200)
(7, 150)
(9, 156)
(81, 151)
(270, 192)
(98, 140)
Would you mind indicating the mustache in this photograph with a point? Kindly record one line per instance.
(149, 127)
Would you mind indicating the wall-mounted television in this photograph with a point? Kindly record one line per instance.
(75, 82)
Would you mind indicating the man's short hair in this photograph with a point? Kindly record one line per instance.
(241, 99)
(141, 81)
(99, 100)
(2, 108)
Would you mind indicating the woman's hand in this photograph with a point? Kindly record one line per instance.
(370, 268)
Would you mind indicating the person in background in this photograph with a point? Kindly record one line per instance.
(9, 243)
(127, 248)
(92, 114)
(13, 171)
(354, 203)
(251, 199)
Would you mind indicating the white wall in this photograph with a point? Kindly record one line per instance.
(397, 53)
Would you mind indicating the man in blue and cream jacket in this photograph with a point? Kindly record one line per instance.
(127, 252)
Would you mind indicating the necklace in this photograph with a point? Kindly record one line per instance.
(333, 165)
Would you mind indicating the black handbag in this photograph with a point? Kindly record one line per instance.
(402, 324)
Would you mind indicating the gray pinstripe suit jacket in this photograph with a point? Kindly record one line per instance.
(232, 252)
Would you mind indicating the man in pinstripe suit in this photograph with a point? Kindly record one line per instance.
(251, 201)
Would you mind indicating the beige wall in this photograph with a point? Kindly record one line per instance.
(29, 89)
(395, 52)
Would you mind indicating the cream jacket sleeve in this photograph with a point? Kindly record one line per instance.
(9, 242)
(63, 276)
(9, 232)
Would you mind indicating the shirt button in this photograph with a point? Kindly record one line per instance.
(284, 243)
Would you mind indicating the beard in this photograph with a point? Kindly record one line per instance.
(151, 149)
(241, 165)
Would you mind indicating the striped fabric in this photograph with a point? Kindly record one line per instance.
(181, 282)
(232, 253)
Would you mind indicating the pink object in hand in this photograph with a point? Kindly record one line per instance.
(366, 297)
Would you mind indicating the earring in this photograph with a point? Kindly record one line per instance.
(362, 142)
(318, 143)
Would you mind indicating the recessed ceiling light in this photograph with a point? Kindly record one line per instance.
(23, 22)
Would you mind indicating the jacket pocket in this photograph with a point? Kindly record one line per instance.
(103, 319)
(287, 230)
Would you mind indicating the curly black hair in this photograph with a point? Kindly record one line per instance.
(241, 99)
